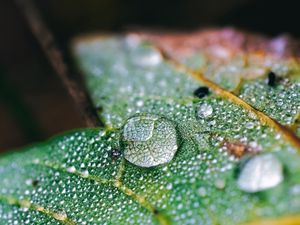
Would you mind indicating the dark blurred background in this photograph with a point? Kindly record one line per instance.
(33, 103)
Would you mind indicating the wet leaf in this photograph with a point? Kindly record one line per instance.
(167, 155)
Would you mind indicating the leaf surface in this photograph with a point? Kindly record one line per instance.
(144, 86)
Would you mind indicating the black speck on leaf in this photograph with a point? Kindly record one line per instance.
(35, 183)
(271, 79)
(201, 92)
(115, 154)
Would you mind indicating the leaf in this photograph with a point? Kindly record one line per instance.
(167, 156)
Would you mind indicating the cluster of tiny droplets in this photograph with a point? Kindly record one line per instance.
(121, 58)
(281, 102)
(65, 188)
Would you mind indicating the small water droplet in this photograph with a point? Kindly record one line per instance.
(204, 110)
(220, 183)
(169, 186)
(62, 215)
(249, 125)
(28, 181)
(85, 173)
(260, 173)
(147, 58)
(71, 169)
(132, 40)
(139, 103)
(202, 191)
(149, 140)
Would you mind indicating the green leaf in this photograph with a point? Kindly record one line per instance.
(167, 156)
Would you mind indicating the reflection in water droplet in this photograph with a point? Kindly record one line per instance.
(204, 110)
(138, 129)
(260, 173)
(149, 140)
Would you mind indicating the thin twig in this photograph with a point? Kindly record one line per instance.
(46, 40)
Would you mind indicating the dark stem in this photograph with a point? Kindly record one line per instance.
(55, 57)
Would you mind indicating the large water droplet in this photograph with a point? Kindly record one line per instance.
(138, 129)
(204, 110)
(149, 140)
(260, 173)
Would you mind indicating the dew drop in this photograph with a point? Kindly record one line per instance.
(220, 183)
(147, 58)
(149, 140)
(202, 191)
(260, 173)
(71, 169)
(204, 110)
(28, 181)
(132, 41)
(249, 125)
(85, 173)
(62, 215)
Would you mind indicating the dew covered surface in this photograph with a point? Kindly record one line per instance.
(213, 149)
(122, 59)
(240, 62)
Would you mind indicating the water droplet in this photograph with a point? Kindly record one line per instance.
(278, 136)
(147, 58)
(71, 169)
(85, 173)
(202, 191)
(249, 125)
(139, 103)
(204, 110)
(149, 140)
(169, 186)
(132, 40)
(220, 183)
(62, 215)
(28, 181)
(260, 173)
